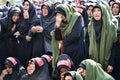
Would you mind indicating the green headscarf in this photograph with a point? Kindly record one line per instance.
(94, 71)
(108, 37)
(66, 28)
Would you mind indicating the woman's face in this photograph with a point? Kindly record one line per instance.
(62, 17)
(97, 14)
(115, 9)
(15, 17)
(26, 6)
(9, 69)
(44, 11)
(89, 11)
(31, 68)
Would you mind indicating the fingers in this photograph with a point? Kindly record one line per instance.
(109, 68)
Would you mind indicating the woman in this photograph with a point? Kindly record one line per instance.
(101, 36)
(24, 40)
(68, 36)
(41, 31)
(115, 8)
(8, 27)
(116, 13)
(14, 70)
(93, 71)
(72, 75)
(64, 64)
(37, 69)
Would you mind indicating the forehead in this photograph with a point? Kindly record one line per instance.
(26, 3)
(8, 66)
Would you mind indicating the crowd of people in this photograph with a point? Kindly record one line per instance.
(60, 41)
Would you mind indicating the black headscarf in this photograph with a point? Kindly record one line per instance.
(7, 21)
(41, 70)
(31, 11)
(46, 21)
(64, 61)
(16, 66)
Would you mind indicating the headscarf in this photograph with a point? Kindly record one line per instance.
(31, 11)
(8, 18)
(75, 75)
(66, 28)
(94, 71)
(108, 36)
(41, 70)
(17, 67)
(64, 61)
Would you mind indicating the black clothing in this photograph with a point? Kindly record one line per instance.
(8, 42)
(25, 47)
(42, 40)
(74, 44)
(41, 71)
(18, 69)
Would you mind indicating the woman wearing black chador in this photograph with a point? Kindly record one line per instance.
(8, 28)
(41, 31)
(24, 40)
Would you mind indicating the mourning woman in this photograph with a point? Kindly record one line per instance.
(67, 38)
(102, 34)
(14, 70)
(24, 40)
(41, 31)
(37, 69)
(8, 27)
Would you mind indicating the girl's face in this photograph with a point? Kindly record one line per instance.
(26, 6)
(97, 14)
(115, 9)
(15, 17)
(31, 68)
(9, 69)
(44, 11)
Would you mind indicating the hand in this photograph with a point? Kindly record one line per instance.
(34, 30)
(28, 38)
(17, 34)
(81, 71)
(4, 73)
(109, 68)
(39, 29)
(13, 28)
(60, 41)
(26, 14)
(58, 20)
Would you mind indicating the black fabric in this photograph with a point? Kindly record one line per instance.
(61, 11)
(74, 44)
(66, 57)
(40, 73)
(58, 34)
(8, 42)
(40, 39)
(84, 14)
(98, 29)
(57, 71)
(82, 65)
(18, 70)
(25, 48)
